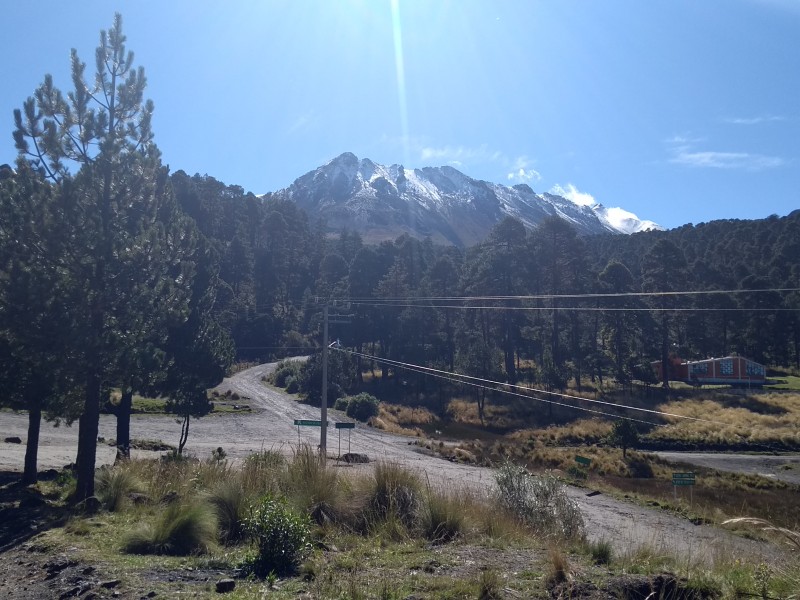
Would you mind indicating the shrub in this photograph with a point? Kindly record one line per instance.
(362, 407)
(229, 501)
(442, 518)
(559, 568)
(313, 485)
(341, 403)
(181, 530)
(262, 471)
(395, 494)
(540, 502)
(292, 387)
(283, 371)
(489, 585)
(281, 535)
(601, 552)
(113, 486)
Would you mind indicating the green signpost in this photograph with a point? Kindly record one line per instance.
(583, 461)
(681, 480)
(349, 427)
(308, 423)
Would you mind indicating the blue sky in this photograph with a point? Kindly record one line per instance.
(677, 110)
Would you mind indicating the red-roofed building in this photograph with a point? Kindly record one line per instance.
(730, 370)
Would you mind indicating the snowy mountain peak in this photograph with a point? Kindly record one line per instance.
(382, 202)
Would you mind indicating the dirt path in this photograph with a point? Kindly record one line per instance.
(270, 426)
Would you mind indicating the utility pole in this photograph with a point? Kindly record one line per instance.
(323, 409)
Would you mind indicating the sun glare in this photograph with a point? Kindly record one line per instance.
(397, 34)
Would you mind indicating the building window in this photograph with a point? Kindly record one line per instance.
(726, 367)
(700, 369)
(755, 369)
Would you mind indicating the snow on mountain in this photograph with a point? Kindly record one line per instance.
(383, 202)
(622, 220)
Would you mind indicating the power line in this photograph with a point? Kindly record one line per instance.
(574, 308)
(508, 392)
(432, 371)
(573, 296)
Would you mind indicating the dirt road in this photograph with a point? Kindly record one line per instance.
(270, 426)
(784, 467)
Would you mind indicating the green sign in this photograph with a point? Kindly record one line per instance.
(344, 425)
(307, 423)
(683, 479)
(583, 461)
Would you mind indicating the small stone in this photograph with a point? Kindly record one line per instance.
(88, 571)
(70, 593)
(13, 440)
(110, 584)
(225, 585)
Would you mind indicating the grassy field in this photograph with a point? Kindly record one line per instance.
(176, 527)
(763, 421)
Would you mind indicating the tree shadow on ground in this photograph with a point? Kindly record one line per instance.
(25, 511)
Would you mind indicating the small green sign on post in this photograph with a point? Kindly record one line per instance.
(349, 427)
(583, 461)
(681, 480)
(307, 423)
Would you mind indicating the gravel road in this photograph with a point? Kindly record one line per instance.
(270, 426)
(784, 467)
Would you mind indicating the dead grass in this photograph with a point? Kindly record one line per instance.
(581, 431)
(766, 420)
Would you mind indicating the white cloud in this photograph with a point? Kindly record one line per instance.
(459, 154)
(522, 171)
(753, 120)
(570, 192)
(303, 122)
(683, 150)
(727, 160)
(683, 140)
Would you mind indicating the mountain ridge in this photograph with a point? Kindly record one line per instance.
(383, 202)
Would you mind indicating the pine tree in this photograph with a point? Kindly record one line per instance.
(130, 258)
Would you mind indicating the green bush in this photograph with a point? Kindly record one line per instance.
(362, 406)
(113, 486)
(541, 502)
(283, 371)
(292, 386)
(181, 530)
(601, 552)
(282, 537)
(341, 403)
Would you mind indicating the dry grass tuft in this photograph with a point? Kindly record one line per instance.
(313, 486)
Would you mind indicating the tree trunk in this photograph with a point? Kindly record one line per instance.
(184, 434)
(30, 474)
(87, 440)
(124, 424)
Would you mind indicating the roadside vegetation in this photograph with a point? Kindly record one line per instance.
(300, 525)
